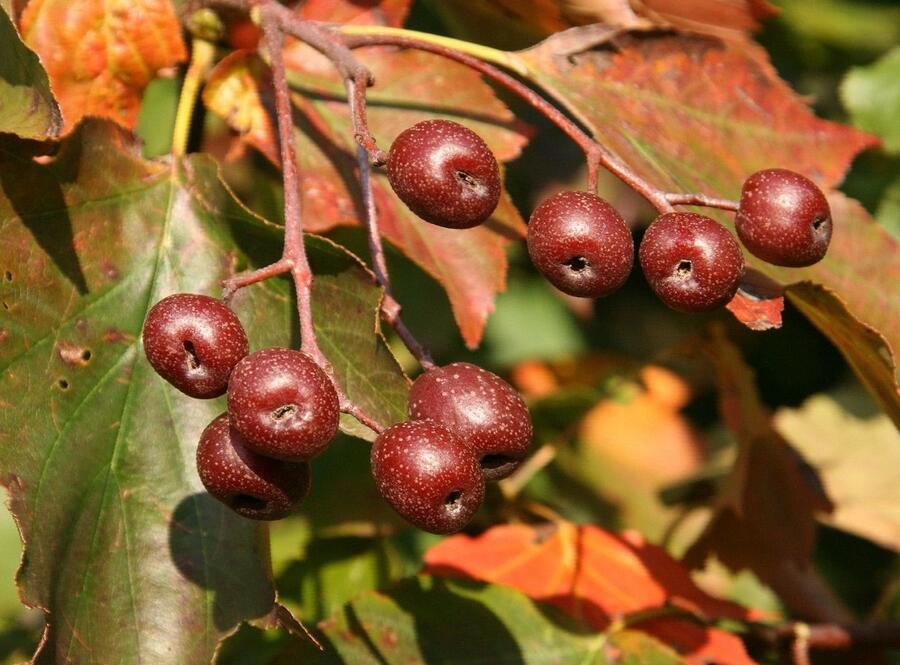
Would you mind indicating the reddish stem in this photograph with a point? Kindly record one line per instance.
(701, 200)
(390, 308)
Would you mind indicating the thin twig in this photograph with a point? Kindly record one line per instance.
(701, 200)
(390, 308)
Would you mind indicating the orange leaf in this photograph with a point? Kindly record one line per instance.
(596, 577)
(644, 432)
(378, 12)
(101, 55)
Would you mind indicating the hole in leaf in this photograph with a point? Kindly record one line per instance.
(684, 268)
(63, 384)
(451, 501)
(817, 223)
(284, 411)
(577, 263)
(9, 276)
(86, 355)
(5, 305)
(248, 503)
(193, 359)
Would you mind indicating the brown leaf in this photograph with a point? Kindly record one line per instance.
(515, 23)
(858, 457)
(101, 55)
(764, 518)
(596, 577)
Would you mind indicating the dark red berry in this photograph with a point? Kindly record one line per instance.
(428, 475)
(481, 409)
(692, 263)
(252, 485)
(445, 173)
(783, 218)
(580, 244)
(194, 342)
(283, 404)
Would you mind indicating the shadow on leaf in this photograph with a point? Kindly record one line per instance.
(36, 197)
(203, 543)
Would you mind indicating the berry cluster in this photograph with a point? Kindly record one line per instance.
(447, 175)
(466, 426)
(282, 407)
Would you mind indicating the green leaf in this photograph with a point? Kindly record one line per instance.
(872, 95)
(888, 214)
(27, 107)
(452, 621)
(334, 571)
(98, 451)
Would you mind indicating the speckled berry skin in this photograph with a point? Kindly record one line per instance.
(783, 218)
(428, 475)
(445, 173)
(481, 409)
(283, 404)
(691, 262)
(194, 342)
(581, 244)
(254, 486)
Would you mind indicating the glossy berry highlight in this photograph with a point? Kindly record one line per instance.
(194, 342)
(252, 485)
(445, 173)
(581, 244)
(428, 475)
(783, 218)
(692, 263)
(283, 404)
(479, 407)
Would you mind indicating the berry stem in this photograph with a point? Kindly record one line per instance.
(294, 254)
(390, 308)
(294, 248)
(231, 285)
(701, 200)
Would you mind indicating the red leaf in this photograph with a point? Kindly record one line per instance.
(471, 264)
(759, 302)
(101, 55)
(596, 577)
(694, 114)
(765, 514)
(378, 12)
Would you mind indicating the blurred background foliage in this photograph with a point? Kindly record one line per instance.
(584, 366)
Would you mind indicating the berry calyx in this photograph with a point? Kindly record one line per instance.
(194, 342)
(283, 404)
(479, 407)
(783, 218)
(428, 475)
(581, 244)
(251, 485)
(692, 263)
(445, 173)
